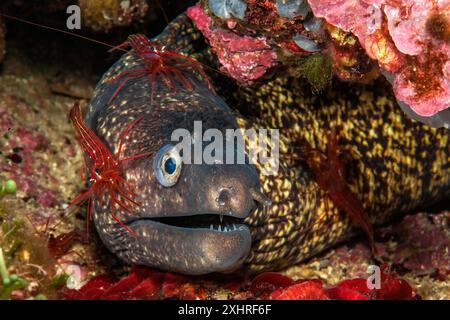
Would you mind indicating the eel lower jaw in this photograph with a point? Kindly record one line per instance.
(196, 244)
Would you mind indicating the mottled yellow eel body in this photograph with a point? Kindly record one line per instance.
(394, 164)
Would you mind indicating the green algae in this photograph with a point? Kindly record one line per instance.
(9, 282)
(316, 69)
(60, 280)
(8, 187)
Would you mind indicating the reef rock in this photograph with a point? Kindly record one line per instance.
(411, 42)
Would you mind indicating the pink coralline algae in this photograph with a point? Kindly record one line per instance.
(424, 243)
(22, 160)
(242, 57)
(410, 39)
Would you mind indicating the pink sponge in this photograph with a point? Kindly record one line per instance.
(244, 58)
(409, 38)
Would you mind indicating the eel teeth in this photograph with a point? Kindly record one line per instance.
(225, 228)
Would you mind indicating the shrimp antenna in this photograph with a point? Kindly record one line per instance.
(162, 11)
(76, 35)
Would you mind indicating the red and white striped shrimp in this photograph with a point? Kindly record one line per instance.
(104, 170)
(157, 62)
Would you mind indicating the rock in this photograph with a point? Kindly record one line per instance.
(410, 41)
(2, 40)
(104, 15)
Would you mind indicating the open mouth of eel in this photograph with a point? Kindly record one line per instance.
(212, 222)
(193, 243)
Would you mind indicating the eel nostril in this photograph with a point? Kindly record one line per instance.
(224, 197)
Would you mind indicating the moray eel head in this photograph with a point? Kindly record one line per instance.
(190, 216)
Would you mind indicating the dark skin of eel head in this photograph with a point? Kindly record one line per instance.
(189, 217)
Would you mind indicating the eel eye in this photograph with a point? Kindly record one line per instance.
(167, 165)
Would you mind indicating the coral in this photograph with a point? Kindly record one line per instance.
(244, 58)
(104, 15)
(424, 241)
(264, 37)
(264, 284)
(145, 283)
(307, 290)
(281, 20)
(410, 41)
(279, 33)
(350, 61)
(391, 288)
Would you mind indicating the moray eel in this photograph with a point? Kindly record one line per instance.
(210, 218)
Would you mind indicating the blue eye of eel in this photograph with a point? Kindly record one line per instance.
(170, 165)
(167, 165)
